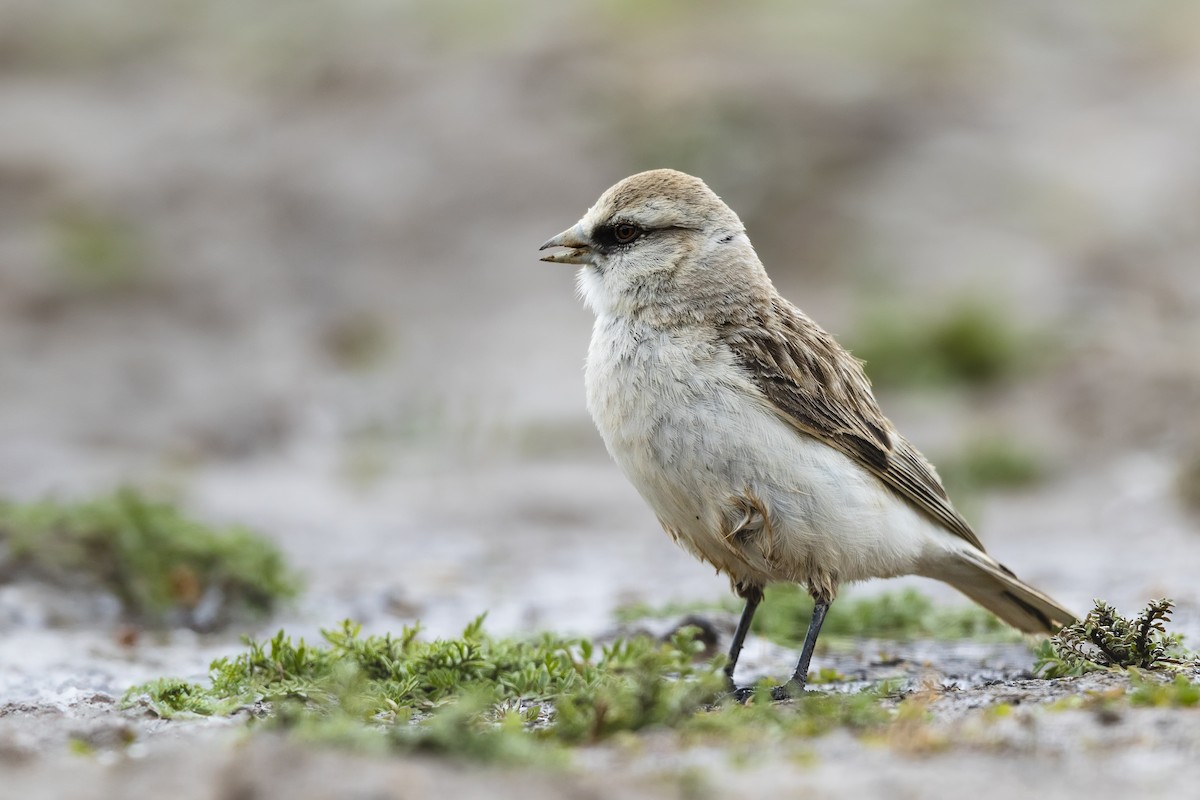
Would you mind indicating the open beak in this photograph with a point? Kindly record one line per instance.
(578, 247)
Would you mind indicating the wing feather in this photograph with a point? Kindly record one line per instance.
(820, 389)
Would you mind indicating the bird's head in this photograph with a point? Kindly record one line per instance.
(655, 241)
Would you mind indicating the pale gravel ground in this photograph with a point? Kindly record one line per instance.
(403, 170)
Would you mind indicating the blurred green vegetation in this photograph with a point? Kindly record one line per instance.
(632, 612)
(1188, 483)
(814, 714)
(969, 342)
(493, 699)
(786, 610)
(96, 251)
(990, 463)
(1180, 692)
(163, 566)
(898, 616)
(357, 341)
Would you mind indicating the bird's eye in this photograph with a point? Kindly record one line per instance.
(625, 233)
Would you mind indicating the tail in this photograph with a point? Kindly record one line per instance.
(994, 587)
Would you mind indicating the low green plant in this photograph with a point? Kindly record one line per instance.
(162, 565)
(813, 714)
(169, 697)
(1050, 662)
(488, 698)
(394, 679)
(1180, 692)
(1104, 640)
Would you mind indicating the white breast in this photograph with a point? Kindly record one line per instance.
(693, 434)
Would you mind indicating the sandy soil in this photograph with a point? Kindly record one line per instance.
(335, 329)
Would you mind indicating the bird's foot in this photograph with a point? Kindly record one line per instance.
(778, 693)
(786, 692)
(742, 695)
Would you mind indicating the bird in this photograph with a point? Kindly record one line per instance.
(751, 433)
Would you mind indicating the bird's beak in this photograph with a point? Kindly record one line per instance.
(579, 247)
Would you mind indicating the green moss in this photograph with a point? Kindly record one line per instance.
(395, 677)
(970, 343)
(170, 697)
(487, 698)
(1104, 701)
(813, 714)
(163, 566)
(1177, 693)
(456, 689)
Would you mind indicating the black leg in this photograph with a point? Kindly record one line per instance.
(753, 598)
(800, 676)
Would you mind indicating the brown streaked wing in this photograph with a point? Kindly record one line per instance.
(820, 389)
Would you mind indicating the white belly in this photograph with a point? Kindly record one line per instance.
(682, 423)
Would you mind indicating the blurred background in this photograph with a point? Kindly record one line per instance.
(278, 261)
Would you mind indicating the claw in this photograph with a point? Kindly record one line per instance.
(778, 693)
(742, 695)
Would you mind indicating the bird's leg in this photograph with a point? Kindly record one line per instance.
(753, 597)
(800, 676)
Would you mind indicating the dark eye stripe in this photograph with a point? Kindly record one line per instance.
(618, 235)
